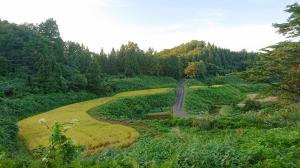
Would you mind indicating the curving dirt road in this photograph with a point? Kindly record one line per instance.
(178, 106)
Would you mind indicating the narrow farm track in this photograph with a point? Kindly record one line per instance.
(177, 108)
(95, 135)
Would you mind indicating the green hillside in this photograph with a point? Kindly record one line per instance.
(196, 105)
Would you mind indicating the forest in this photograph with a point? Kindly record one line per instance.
(38, 57)
(62, 105)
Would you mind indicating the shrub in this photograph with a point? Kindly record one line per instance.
(8, 133)
(252, 105)
(61, 148)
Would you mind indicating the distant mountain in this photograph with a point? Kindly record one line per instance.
(218, 60)
(191, 48)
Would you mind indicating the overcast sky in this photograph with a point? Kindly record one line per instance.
(234, 24)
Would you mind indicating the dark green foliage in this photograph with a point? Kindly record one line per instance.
(37, 55)
(115, 84)
(8, 133)
(20, 108)
(134, 107)
(252, 105)
(12, 87)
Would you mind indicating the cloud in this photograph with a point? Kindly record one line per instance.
(90, 22)
(252, 37)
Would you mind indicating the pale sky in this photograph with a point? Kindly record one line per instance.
(160, 24)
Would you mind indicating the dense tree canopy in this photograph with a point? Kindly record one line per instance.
(217, 60)
(38, 55)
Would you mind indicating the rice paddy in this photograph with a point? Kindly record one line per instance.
(93, 134)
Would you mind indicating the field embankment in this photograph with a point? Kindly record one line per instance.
(135, 108)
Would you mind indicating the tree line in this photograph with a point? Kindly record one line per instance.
(37, 54)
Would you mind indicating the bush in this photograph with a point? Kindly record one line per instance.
(252, 105)
(8, 133)
(61, 149)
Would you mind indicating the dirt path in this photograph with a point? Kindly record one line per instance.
(178, 106)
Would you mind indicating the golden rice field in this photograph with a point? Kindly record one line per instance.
(95, 135)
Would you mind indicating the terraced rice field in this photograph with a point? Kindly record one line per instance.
(89, 132)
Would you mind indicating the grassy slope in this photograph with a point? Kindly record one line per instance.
(201, 99)
(134, 107)
(88, 132)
